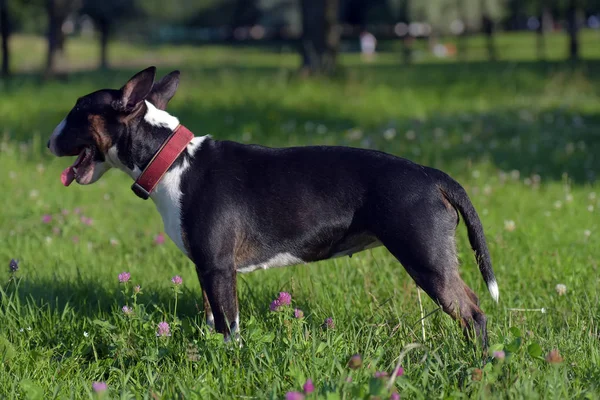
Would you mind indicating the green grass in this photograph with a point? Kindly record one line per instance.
(521, 136)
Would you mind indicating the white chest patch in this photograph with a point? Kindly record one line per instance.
(167, 198)
(279, 260)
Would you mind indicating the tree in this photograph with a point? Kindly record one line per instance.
(5, 32)
(487, 25)
(573, 28)
(545, 26)
(320, 36)
(105, 14)
(57, 11)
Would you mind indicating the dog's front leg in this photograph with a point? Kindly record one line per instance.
(219, 288)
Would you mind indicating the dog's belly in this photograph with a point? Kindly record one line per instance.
(346, 247)
(354, 244)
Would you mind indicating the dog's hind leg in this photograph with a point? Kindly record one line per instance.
(428, 253)
(440, 279)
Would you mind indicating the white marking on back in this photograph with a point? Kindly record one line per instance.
(195, 144)
(494, 291)
(57, 131)
(279, 260)
(156, 117)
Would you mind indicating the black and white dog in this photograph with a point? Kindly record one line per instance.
(235, 208)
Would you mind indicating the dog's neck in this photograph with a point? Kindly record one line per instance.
(133, 151)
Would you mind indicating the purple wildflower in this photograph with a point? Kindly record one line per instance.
(177, 280)
(159, 239)
(124, 277)
(127, 310)
(308, 387)
(294, 396)
(329, 324)
(163, 329)
(13, 265)
(274, 306)
(298, 313)
(47, 218)
(355, 361)
(285, 299)
(99, 387)
(399, 373)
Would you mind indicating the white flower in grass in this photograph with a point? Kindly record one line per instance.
(561, 289)
(354, 134)
(510, 225)
(389, 134)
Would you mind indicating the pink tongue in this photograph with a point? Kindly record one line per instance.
(67, 176)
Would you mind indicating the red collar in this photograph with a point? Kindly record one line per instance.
(162, 161)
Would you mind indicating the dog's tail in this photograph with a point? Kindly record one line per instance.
(457, 196)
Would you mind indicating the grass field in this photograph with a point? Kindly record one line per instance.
(523, 138)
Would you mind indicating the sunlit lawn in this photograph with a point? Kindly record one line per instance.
(522, 137)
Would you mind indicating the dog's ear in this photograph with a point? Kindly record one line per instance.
(164, 90)
(136, 90)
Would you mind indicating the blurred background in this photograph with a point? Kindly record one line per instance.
(317, 31)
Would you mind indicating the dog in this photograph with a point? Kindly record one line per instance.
(235, 208)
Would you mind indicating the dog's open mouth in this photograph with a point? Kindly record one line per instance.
(82, 169)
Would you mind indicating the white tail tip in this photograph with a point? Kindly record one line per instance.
(494, 291)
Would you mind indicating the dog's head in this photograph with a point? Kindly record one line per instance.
(116, 128)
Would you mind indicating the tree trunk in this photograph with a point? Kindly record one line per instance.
(488, 28)
(104, 29)
(407, 41)
(320, 36)
(545, 26)
(53, 37)
(5, 31)
(573, 30)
